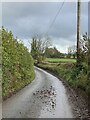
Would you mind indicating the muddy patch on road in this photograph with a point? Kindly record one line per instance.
(47, 97)
(44, 100)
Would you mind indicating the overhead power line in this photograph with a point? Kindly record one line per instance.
(55, 17)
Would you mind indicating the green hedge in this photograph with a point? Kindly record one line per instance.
(17, 64)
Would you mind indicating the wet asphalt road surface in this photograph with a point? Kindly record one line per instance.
(45, 97)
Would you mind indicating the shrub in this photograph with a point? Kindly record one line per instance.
(17, 64)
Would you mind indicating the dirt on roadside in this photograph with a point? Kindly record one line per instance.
(79, 102)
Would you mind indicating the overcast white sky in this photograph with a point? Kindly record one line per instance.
(29, 18)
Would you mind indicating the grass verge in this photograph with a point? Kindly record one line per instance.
(69, 73)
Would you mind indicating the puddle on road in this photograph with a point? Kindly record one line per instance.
(47, 97)
(44, 102)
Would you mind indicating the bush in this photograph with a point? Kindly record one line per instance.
(17, 64)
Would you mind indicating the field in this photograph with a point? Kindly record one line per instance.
(55, 60)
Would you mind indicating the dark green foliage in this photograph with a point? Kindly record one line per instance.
(88, 77)
(34, 48)
(84, 48)
(53, 53)
(17, 64)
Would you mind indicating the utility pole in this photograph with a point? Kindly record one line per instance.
(78, 31)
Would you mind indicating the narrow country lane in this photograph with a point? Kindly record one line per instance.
(45, 97)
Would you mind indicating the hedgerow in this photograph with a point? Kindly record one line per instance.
(17, 64)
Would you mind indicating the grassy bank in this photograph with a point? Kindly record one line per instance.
(17, 65)
(55, 60)
(69, 73)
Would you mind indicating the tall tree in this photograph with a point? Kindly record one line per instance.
(72, 51)
(89, 59)
(34, 48)
(88, 77)
(38, 47)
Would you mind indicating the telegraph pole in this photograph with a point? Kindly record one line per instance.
(78, 31)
